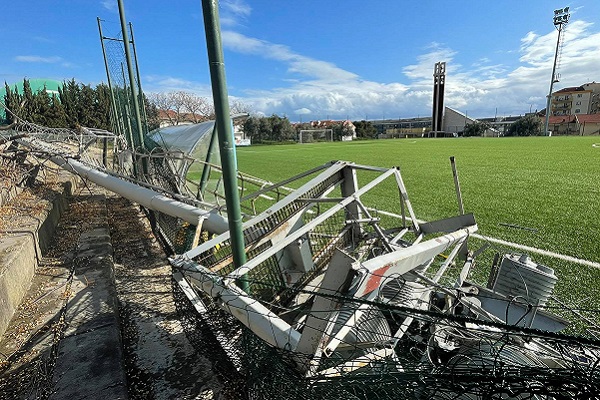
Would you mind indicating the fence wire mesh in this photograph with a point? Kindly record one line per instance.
(416, 337)
(479, 362)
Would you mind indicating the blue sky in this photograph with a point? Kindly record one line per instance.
(310, 59)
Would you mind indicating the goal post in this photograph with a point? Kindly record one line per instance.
(315, 135)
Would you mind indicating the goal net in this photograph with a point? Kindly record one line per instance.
(316, 135)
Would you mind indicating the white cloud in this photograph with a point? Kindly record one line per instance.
(302, 111)
(318, 89)
(110, 5)
(233, 12)
(38, 59)
(296, 63)
(480, 89)
(237, 7)
(160, 83)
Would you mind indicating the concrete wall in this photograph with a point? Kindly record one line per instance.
(589, 128)
(21, 244)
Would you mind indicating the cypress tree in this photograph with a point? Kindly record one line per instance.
(28, 106)
(68, 95)
(57, 118)
(12, 101)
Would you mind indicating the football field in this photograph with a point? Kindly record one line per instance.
(542, 192)
(551, 186)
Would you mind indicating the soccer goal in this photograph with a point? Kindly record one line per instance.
(316, 135)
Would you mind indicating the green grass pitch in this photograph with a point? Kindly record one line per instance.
(550, 185)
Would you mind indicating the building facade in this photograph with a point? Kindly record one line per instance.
(584, 99)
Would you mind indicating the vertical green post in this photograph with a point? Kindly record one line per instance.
(139, 80)
(207, 161)
(113, 103)
(134, 97)
(210, 9)
(126, 112)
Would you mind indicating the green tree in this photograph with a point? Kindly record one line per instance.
(40, 110)
(365, 130)
(251, 128)
(282, 129)
(476, 128)
(87, 107)
(529, 125)
(57, 118)
(269, 129)
(12, 100)
(103, 106)
(265, 129)
(28, 105)
(69, 96)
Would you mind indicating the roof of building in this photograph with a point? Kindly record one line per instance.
(571, 89)
(588, 118)
(580, 118)
(561, 119)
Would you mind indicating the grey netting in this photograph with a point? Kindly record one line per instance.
(339, 299)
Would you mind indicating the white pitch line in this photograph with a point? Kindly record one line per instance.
(539, 251)
(574, 260)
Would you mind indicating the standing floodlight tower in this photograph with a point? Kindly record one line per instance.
(561, 18)
(439, 81)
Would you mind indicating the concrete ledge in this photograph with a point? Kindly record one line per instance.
(20, 246)
(17, 266)
(47, 228)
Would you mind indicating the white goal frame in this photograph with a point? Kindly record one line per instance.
(315, 135)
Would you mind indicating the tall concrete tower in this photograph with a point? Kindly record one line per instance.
(439, 79)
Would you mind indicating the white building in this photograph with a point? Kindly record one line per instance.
(584, 99)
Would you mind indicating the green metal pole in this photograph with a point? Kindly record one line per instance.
(139, 80)
(134, 98)
(113, 103)
(126, 112)
(210, 9)
(208, 159)
(120, 114)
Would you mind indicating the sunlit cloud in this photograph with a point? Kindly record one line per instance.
(234, 12)
(38, 59)
(110, 5)
(317, 89)
(160, 83)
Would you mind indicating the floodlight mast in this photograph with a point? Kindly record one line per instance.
(561, 18)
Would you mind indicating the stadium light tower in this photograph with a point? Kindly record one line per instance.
(561, 18)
